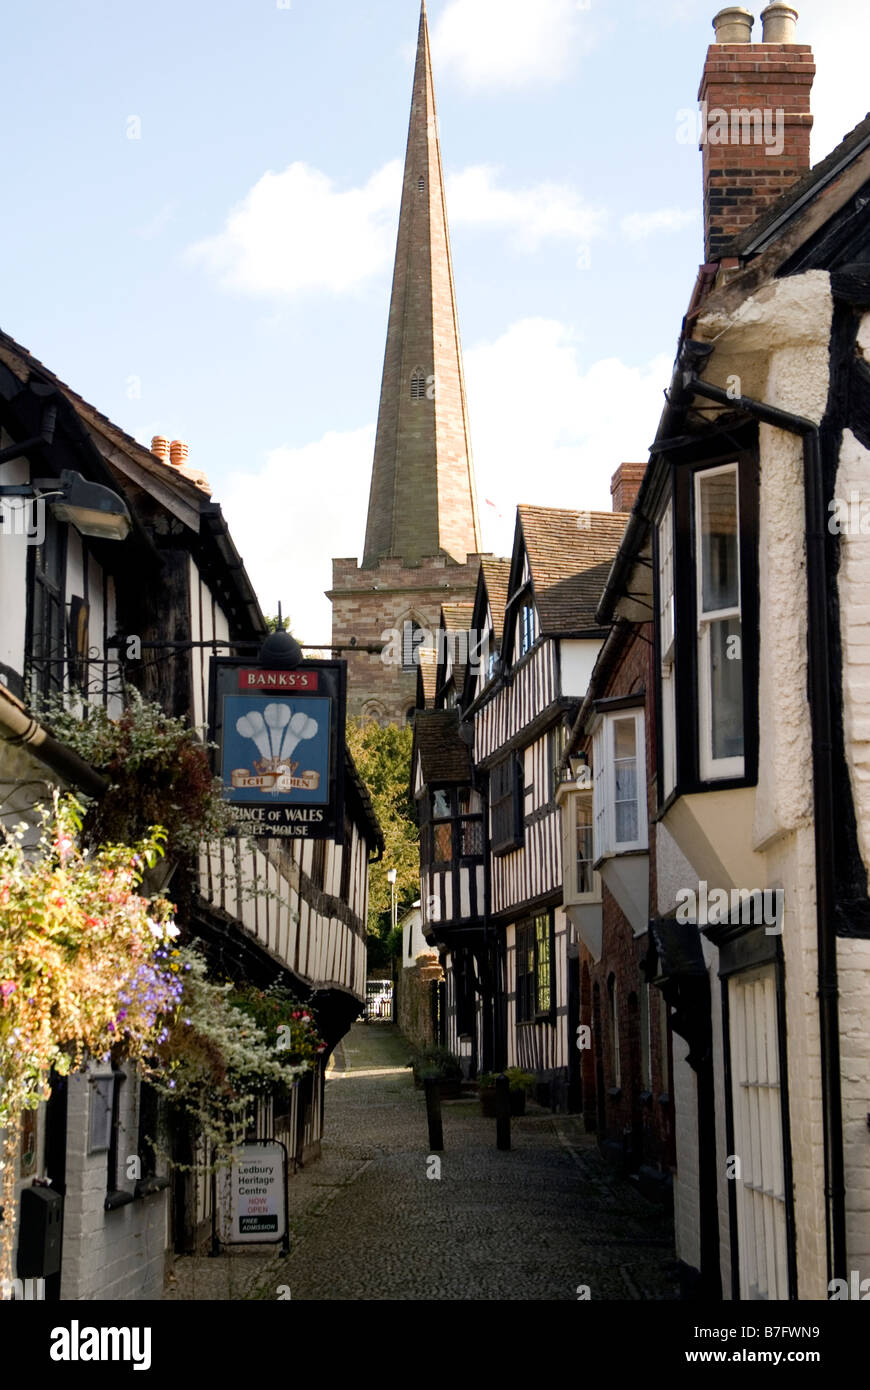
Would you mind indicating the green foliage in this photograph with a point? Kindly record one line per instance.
(437, 1062)
(217, 1057)
(277, 624)
(280, 1016)
(383, 759)
(518, 1079)
(158, 771)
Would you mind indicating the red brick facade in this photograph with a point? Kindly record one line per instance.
(634, 1121)
(743, 178)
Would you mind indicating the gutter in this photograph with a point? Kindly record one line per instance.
(18, 727)
(818, 692)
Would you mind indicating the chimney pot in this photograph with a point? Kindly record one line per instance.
(780, 23)
(160, 447)
(734, 25)
(178, 453)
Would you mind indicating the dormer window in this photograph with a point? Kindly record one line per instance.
(418, 385)
(527, 627)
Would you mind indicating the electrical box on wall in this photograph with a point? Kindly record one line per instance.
(39, 1232)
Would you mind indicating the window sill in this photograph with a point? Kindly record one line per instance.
(615, 1092)
(117, 1199)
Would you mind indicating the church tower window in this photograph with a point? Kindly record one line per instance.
(418, 385)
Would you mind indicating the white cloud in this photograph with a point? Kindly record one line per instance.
(637, 226)
(295, 232)
(511, 43)
(544, 212)
(545, 430)
(548, 431)
(304, 506)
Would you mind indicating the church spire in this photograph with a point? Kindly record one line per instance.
(422, 500)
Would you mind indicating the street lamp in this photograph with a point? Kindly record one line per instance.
(94, 510)
(392, 875)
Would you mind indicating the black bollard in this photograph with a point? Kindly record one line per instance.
(503, 1112)
(433, 1114)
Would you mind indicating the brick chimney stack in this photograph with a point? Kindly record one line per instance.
(625, 485)
(756, 121)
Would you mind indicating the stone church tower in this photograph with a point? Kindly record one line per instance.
(422, 534)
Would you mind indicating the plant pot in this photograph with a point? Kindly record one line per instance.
(157, 879)
(487, 1096)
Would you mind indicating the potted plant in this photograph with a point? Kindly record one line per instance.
(442, 1065)
(520, 1083)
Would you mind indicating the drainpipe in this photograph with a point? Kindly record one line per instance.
(823, 791)
(17, 726)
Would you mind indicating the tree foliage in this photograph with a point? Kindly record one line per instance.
(383, 758)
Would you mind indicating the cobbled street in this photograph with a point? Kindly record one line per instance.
(367, 1223)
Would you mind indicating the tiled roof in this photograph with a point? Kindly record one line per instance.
(428, 660)
(22, 362)
(496, 574)
(570, 555)
(457, 616)
(813, 179)
(443, 755)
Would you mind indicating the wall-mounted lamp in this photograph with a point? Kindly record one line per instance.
(92, 509)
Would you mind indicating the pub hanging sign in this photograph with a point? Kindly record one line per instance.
(280, 741)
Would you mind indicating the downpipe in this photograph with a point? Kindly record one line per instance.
(818, 690)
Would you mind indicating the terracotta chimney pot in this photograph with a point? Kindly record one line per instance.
(160, 447)
(178, 453)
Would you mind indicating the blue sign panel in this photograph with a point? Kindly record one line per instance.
(277, 749)
(280, 740)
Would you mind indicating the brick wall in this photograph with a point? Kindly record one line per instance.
(415, 999)
(743, 178)
(640, 1130)
(108, 1254)
(366, 603)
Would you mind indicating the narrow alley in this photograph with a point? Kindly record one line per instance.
(535, 1223)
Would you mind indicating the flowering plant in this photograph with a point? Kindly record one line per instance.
(217, 1058)
(281, 1017)
(158, 772)
(84, 966)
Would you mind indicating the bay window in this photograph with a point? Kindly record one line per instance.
(705, 570)
(619, 795)
(455, 825)
(720, 632)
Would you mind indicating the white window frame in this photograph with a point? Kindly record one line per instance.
(568, 798)
(712, 769)
(667, 639)
(604, 786)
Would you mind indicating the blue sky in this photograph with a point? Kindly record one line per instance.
(224, 277)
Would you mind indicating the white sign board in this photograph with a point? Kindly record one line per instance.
(253, 1195)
